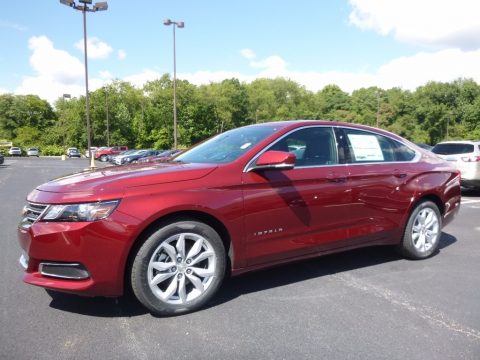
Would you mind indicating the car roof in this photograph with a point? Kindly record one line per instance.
(293, 124)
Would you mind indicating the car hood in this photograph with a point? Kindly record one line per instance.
(111, 182)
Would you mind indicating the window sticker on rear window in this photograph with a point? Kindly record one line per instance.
(365, 147)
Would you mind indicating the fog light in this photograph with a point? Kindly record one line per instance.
(73, 271)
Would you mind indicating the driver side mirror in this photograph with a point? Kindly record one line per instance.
(274, 160)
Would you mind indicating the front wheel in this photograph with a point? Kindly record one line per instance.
(423, 231)
(178, 268)
(103, 158)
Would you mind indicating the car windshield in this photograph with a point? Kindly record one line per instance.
(453, 148)
(228, 146)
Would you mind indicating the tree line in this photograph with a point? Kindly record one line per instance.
(142, 118)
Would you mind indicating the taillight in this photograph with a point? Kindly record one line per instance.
(472, 158)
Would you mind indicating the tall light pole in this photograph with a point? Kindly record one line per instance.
(179, 24)
(99, 6)
(108, 122)
(65, 96)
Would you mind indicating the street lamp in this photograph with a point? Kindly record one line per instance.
(179, 24)
(99, 6)
(108, 122)
(65, 96)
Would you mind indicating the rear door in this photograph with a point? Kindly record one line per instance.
(379, 170)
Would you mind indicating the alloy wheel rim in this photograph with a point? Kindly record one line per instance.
(425, 230)
(182, 268)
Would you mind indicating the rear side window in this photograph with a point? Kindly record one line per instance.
(367, 147)
(453, 148)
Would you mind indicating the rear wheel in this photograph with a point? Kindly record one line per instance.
(178, 268)
(423, 231)
(103, 158)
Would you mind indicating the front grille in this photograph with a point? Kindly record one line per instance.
(31, 212)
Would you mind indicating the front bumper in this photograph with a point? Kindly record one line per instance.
(86, 258)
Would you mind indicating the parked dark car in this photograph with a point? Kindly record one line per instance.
(425, 146)
(135, 156)
(2, 159)
(238, 202)
(163, 156)
(73, 152)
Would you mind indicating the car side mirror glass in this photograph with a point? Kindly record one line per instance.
(274, 160)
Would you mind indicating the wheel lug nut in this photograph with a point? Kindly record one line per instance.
(179, 259)
(189, 261)
(180, 275)
(189, 271)
(173, 269)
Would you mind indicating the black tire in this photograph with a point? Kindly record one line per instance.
(176, 273)
(422, 232)
(103, 158)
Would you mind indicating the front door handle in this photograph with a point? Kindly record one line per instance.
(336, 178)
(399, 174)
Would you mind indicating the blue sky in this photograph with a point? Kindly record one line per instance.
(352, 43)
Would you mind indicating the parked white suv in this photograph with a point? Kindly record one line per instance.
(465, 156)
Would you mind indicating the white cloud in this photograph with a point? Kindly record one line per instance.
(56, 72)
(247, 54)
(405, 72)
(122, 54)
(106, 75)
(445, 65)
(207, 77)
(14, 26)
(440, 23)
(3, 91)
(96, 48)
(142, 78)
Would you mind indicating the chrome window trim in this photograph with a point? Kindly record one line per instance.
(416, 158)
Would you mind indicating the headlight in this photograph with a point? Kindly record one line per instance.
(80, 212)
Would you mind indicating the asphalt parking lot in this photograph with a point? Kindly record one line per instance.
(363, 304)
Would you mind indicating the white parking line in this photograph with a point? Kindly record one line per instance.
(402, 301)
(470, 201)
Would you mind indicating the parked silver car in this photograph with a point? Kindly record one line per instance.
(465, 156)
(33, 152)
(15, 151)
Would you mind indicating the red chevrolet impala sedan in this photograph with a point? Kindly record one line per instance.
(248, 198)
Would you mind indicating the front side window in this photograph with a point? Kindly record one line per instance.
(312, 146)
(367, 147)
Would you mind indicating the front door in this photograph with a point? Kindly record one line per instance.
(290, 213)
